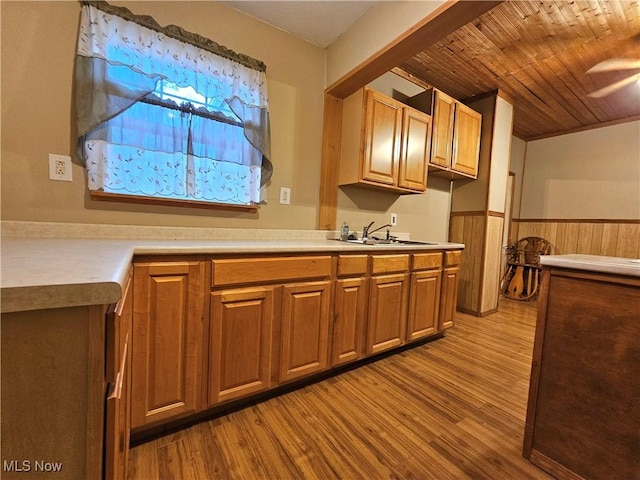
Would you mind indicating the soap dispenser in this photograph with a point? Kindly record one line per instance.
(344, 234)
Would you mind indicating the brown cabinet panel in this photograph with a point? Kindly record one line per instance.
(582, 416)
(240, 343)
(389, 263)
(427, 261)
(382, 139)
(416, 145)
(352, 265)
(448, 298)
(304, 347)
(349, 314)
(442, 137)
(387, 312)
(424, 304)
(230, 271)
(167, 341)
(466, 141)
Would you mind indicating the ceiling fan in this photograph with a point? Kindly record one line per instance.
(614, 64)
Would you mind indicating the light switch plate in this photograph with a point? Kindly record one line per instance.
(393, 220)
(285, 195)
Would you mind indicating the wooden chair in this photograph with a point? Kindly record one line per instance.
(522, 276)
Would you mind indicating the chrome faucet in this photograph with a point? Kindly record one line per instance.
(366, 232)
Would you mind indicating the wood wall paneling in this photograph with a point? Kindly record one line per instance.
(490, 290)
(613, 238)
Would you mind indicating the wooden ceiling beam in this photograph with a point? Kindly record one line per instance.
(435, 26)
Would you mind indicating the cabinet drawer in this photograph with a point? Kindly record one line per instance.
(427, 261)
(256, 270)
(451, 259)
(352, 265)
(389, 263)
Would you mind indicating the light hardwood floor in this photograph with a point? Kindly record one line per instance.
(449, 409)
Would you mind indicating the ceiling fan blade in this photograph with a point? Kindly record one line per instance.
(615, 64)
(608, 90)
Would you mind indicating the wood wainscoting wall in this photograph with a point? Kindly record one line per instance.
(612, 238)
(479, 278)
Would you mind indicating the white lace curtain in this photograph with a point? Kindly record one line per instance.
(133, 143)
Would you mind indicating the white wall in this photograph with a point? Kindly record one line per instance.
(500, 152)
(377, 28)
(516, 165)
(593, 174)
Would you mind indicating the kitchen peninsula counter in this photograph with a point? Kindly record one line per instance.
(56, 272)
(583, 416)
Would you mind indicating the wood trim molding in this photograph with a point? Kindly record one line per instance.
(139, 199)
(469, 213)
(330, 165)
(410, 78)
(587, 128)
(576, 220)
(492, 213)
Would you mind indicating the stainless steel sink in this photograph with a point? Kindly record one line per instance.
(384, 242)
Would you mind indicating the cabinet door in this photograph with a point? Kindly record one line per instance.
(348, 327)
(416, 144)
(167, 341)
(118, 418)
(424, 304)
(466, 140)
(305, 329)
(442, 136)
(387, 312)
(240, 343)
(383, 123)
(449, 298)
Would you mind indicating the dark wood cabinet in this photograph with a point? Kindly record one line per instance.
(583, 418)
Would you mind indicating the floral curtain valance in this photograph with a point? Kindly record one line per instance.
(121, 57)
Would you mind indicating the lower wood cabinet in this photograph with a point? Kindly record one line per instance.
(349, 320)
(271, 320)
(387, 312)
(304, 348)
(167, 340)
(240, 343)
(449, 295)
(424, 304)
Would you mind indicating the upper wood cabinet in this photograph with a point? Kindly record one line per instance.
(384, 143)
(167, 340)
(455, 138)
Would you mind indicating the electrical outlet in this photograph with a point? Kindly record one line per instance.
(285, 195)
(60, 167)
(394, 219)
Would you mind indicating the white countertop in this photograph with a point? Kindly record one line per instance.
(594, 263)
(39, 273)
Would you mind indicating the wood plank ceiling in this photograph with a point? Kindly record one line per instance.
(537, 53)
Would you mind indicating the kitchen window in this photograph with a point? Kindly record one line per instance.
(167, 116)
